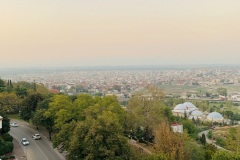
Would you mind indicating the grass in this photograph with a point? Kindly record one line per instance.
(15, 116)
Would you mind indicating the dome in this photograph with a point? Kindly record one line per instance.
(196, 113)
(189, 105)
(193, 117)
(215, 116)
(179, 107)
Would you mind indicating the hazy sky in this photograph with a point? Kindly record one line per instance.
(119, 32)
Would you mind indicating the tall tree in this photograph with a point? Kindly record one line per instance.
(148, 109)
(2, 85)
(169, 143)
(30, 104)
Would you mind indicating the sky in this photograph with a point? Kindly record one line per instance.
(52, 33)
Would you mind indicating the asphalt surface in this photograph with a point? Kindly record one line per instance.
(209, 141)
(37, 149)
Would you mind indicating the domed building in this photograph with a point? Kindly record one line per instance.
(181, 109)
(215, 117)
(195, 114)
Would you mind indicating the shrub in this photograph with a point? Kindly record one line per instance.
(7, 137)
(5, 147)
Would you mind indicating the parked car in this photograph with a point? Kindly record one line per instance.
(24, 141)
(13, 124)
(36, 136)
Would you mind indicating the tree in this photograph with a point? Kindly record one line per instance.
(5, 147)
(99, 138)
(30, 104)
(9, 102)
(148, 109)
(225, 155)
(2, 85)
(168, 142)
(21, 91)
(39, 119)
(5, 123)
(222, 91)
(193, 151)
(233, 140)
(203, 139)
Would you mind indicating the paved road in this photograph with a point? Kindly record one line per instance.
(37, 149)
(209, 141)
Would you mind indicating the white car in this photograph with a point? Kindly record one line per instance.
(36, 136)
(13, 124)
(24, 141)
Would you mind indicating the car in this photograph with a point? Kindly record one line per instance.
(24, 141)
(13, 124)
(36, 136)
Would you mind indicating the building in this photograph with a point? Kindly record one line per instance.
(177, 128)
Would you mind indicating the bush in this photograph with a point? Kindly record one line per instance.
(209, 135)
(221, 142)
(7, 137)
(5, 147)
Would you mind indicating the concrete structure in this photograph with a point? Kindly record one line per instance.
(177, 128)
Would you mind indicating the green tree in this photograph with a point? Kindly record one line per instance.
(225, 155)
(2, 85)
(168, 142)
(148, 109)
(9, 102)
(30, 104)
(5, 123)
(203, 139)
(222, 91)
(99, 138)
(5, 147)
(21, 91)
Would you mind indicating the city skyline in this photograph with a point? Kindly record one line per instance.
(119, 33)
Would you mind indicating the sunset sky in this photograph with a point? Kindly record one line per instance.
(119, 32)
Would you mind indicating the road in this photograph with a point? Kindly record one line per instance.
(209, 141)
(37, 149)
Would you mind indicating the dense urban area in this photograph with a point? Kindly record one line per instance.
(182, 113)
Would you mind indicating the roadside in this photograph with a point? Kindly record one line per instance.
(211, 141)
(18, 150)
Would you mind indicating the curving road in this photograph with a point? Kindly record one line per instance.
(37, 149)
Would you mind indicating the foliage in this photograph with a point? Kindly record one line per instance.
(210, 134)
(146, 109)
(210, 150)
(193, 151)
(5, 147)
(225, 155)
(203, 139)
(5, 123)
(2, 85)
(30, 104)
(222, 91)
(99, 138)
(233, 139)
(157, 157)
(7, 137)
(9, 102)
(168, 142)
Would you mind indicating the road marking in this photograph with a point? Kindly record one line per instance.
(35, 144)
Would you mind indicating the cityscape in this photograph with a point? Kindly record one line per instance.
(120, 80)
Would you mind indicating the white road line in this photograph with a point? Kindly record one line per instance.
(36, 145)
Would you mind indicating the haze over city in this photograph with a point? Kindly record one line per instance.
(110, 33)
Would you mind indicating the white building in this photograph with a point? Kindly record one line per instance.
(177, 127)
